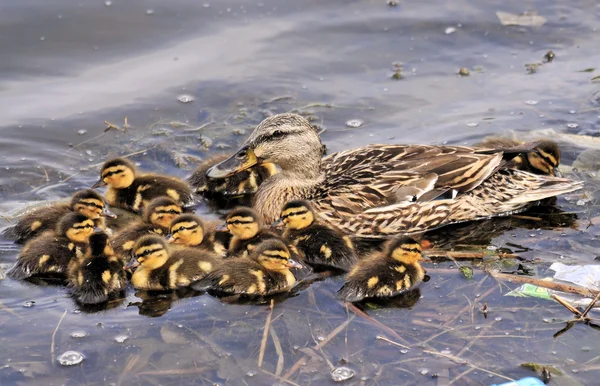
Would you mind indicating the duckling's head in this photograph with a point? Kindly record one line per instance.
(287, 140)
(404, 249)
(186, 229)
(76, 227)
(162, 211)
(117, 173)
(100, 244)
(243, 223)
(298, 214)
(545, 157)
(151, 252)
(273, 255)
(91, 204)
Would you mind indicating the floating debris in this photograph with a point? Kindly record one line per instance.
(549, 56)
(532, 68)
(463, 71)
(70, 358)
(572, 125)
(467, 272)
(526, 20)
(392, 3)
(185, 98)
(354, 123)
(397, 75)
(341, 374)
(28, 304)
(121, 338)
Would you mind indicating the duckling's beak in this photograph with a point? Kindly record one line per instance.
(108, 213)
(170, 238)
(556, 172)
(278, 224)
(133, 263)
(293, 264)
(240, 161)
(100, 183)
(98, 230)
(221, 228)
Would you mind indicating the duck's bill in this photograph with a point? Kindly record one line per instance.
(170, 239)
(240, 161)
(98, 230)
(133, 263)
(221, 228)
(556, 173)
(108, 213)
(99, 184)
(293, 264)
(278, 225)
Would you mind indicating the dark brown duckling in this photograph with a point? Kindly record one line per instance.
(87, 202)
(539, 157)
(243, 183)
(98, 275)
(157, 217)
(265, 272)
(162, 268)
(385, 274)
(50, 253)
(318, 243)
(189, 230)
(248, 231)
(132, 191)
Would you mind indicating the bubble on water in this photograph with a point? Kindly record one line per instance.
(70, 358)
(150, 11)
(403, 351)
(28, 304)
(81, 132)
(121, 338)
(206, 5)
(532, 103)
(341, 374)
(185, 98)
(354, 123)
(450, 30)
(446, 352)
(572, 112)
(572, 125)
(492, 247)
(108, 3)
(424, 371)
(472, 124)
(498, 319)
(42, 38)
(79, 334)
(320, 338)
(251, 373)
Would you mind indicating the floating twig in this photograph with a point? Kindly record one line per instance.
(466, 362)
(54, 336)
(571, 288)
(379, 337)
(263, 343)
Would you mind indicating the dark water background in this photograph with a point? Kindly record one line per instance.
(66, 67)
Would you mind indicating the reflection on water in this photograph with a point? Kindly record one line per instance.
(66, 68)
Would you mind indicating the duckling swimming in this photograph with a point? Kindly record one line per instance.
(50, 253)
(162, 268)
(243, 183)
(32, 224)
(265, 272)
(385, 274)
(132, 191)
(318, 243)
(248, 231)
(189, 230)
(539, 157)
(98, 275)
(157, 217)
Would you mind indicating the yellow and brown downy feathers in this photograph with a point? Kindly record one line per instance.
(265, 272)
(98, 275)
(385, 274)
(191, 231)
(385, 190)
(317, 243)
(539, 157)
(87, 202)
(248, 231)
(132, 191)
(50, 253)
(243, 183)
(162, 268)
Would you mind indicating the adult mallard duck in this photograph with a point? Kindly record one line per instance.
(385, 190)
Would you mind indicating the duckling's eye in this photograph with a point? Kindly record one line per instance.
(181, 228)
(173, 211)
(242, 154)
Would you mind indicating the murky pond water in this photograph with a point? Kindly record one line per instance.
(193, 78)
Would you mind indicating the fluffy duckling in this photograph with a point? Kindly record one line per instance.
(162, 268)
(158, 215)
(50, 253)
(265, 272)
(385, 274)
(246, 182)
(540, 157)
(132, 191)
(87, 202)
(248, 231)
(98, 275)
(318, 244)
(189, 230)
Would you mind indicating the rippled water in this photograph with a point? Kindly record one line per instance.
(193, 78)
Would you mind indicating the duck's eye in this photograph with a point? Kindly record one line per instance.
(278, 133)
(242, 154)
(173, 211)
(181, 228)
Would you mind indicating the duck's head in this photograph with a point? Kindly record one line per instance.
(161, 212)
(186, 229)
(76, 227)
(404, 249)
(545, 157)
(298, 214)
(273, 255)
(151, 252)
(91, 204)
(117, 173)
(287, 140)
(243, 223)
(100, 244)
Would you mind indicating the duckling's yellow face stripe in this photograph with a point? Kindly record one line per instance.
(187, 232)
(244, 227)
(90, 207)
(164, 215)
(273, 260)
(118, 177)
(80, 232)
(298, 217)
(407, 253)
(542, 161)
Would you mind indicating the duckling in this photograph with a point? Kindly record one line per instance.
(162, 268)
(318, 243)
(157, 217)
(50, 253)
(97, 275)
(246, 182)
(87, 202)
(265, 272)
(248, 231)
(132, 191)
(385, 274)
(539, 157)
(189, 230)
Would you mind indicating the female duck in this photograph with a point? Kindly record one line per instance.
(385, 274)
(319, 244)
(248, 231)
(132, 191)
(357, 190)
(50, 253)
(162, 268)
(265, 272)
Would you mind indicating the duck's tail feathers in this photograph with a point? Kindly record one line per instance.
(553, 186)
